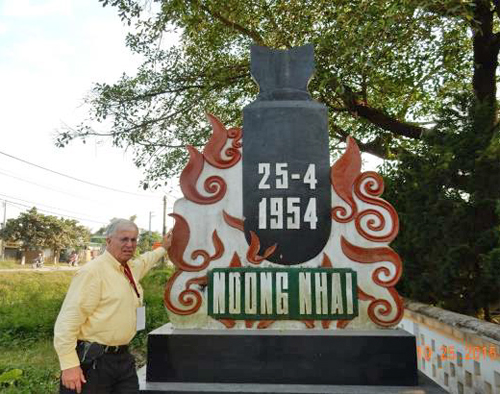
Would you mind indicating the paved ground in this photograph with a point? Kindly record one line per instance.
(49, 268)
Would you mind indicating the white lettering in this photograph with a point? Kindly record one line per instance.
(337, 306)
(266, 293)
(310, 176)
(219, 292)
(281, 172)
(251, 292)
(311, 216)
(305, 300)
(234, 292)
(264, 168)
(281, 293)
(321, 292)
(263, 213)
(276, 206)
(293, 208)
(348, 289)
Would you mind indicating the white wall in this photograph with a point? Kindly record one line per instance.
(460, 353)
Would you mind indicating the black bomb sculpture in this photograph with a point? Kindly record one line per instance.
(286, 185)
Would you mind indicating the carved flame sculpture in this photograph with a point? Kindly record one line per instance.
(208, 233)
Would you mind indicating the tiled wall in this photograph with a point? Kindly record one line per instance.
(461, 360)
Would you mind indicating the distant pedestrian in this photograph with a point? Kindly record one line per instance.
(73, 259)
(38, 261)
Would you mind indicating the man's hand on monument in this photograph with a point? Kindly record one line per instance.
(73, 378)
(167, 240)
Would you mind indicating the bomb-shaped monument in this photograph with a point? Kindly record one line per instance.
(282, 260)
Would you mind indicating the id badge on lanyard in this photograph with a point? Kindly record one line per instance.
(141, 318)
(141, 310)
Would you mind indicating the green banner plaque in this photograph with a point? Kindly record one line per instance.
(285, 294)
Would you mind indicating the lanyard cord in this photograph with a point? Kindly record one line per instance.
(128, 274)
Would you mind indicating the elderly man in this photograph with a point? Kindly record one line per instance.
(101, 313)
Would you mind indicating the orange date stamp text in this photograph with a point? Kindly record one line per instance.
(476, 353)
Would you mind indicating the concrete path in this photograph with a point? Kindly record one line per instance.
(50, 268)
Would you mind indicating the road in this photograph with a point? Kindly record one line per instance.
(44, 269)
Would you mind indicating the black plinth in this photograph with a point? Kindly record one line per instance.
(343, 357)
(425, 386)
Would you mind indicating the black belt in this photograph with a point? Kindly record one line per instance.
(108, 348)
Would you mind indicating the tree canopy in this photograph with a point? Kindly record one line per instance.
(39, 231)
(414, 81)
(146, 241)
(383, 68)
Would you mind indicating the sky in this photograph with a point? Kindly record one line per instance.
(51, 53)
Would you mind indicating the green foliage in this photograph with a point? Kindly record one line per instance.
(8, 378)
(400, 59)
(450, 236)
(12, 264)
(29, 305)
(146, 241)
(38, 231)
(38, 363)
(414, 81)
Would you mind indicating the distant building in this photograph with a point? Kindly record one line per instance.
(13, 251)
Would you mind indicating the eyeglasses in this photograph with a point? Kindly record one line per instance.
(126, 240)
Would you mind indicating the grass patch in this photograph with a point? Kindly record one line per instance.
(38, 363)
(12, 264)
(29, 305)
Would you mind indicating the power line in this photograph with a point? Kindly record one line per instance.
(54, 213)
(45, 210)
(49, 188)
(45, 205)
(10, 175)
(74, 178)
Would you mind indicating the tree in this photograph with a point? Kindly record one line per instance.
(414, 81)
(449, 236)
(66, 233)
(30, 228)
(383, 68)
(146, 241)
(38, 231)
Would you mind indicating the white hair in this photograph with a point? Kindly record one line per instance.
(117, 223)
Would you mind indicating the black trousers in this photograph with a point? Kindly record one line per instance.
(113, 373)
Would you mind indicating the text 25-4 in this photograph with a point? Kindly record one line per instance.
(277, 213)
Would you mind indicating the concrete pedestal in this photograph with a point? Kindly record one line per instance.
(425, 386)
(234, 361)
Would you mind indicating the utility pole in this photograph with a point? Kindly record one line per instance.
(3, 226)
(164, 231)
(150, 216)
